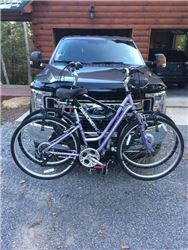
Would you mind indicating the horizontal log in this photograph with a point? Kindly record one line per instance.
(15, 16)
(43, 43)
(143, 50)
(39, 32)
(126, 21)
(51, 3)
(141, 44)
(47, 38)
(124, 8)
(145, 53)
(49, 15)
(48, 29)
(140, 33)
(139, 39)
(47, 47)
(169, 26)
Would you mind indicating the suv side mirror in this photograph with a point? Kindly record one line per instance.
(150, 64)
(186, 63)
(160, 61)
(36, 60)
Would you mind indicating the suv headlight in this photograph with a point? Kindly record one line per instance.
(159, 100)
(37, 99)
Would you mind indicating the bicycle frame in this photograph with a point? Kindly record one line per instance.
(126, 105)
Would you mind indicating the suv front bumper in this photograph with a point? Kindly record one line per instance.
(152, 101)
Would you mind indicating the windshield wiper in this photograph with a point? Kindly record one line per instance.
(107, 62)
(62, 61)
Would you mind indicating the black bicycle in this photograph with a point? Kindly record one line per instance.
(149, 147)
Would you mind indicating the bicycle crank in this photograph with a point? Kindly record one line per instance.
(89, 157)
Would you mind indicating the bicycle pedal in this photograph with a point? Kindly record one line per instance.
(99, 167)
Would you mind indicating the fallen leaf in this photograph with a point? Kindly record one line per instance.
(185, 197)
(50, 200)
(35, 223)
(124, 247)
(22, 182)
(184, 158)
(57, 212)
(101, 232)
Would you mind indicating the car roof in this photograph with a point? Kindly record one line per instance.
(99, 37)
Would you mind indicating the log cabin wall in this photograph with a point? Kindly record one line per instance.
(141, 16)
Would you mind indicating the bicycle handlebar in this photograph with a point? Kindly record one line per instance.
(131, 71)
(128, 73)
(73, 66)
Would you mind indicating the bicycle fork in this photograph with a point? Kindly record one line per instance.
(143, 134)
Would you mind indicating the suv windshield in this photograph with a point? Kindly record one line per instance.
(98, 51)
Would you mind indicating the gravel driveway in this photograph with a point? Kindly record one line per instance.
(90, 212)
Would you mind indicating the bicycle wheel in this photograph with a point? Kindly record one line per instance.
(166, 141)
(36, 135)
(52, 112)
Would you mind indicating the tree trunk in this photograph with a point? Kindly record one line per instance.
(27, 52)
(4, 70)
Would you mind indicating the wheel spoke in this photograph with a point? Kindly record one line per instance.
(29, 148)
(168, 148)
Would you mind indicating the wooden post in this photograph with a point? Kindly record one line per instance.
(4, 70)
(27, 52)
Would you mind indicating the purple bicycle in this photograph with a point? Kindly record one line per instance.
(149, 147)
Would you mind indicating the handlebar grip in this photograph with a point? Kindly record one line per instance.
(76, 65)
(79, 65)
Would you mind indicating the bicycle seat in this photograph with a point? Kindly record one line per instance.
(63, 93)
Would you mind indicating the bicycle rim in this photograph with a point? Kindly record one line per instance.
(167, 142)
(36, 134)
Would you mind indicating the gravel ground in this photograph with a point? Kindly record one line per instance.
(10, 115)
(89, 212)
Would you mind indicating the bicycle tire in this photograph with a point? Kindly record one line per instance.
(147, 114)
(58, 164)
(64, 117)
(137, 169)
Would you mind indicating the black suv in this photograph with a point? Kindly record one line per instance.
(102, 58)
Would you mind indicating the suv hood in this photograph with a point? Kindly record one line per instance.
(98, 79)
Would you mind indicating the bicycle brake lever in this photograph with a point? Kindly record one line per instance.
(76, 65)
